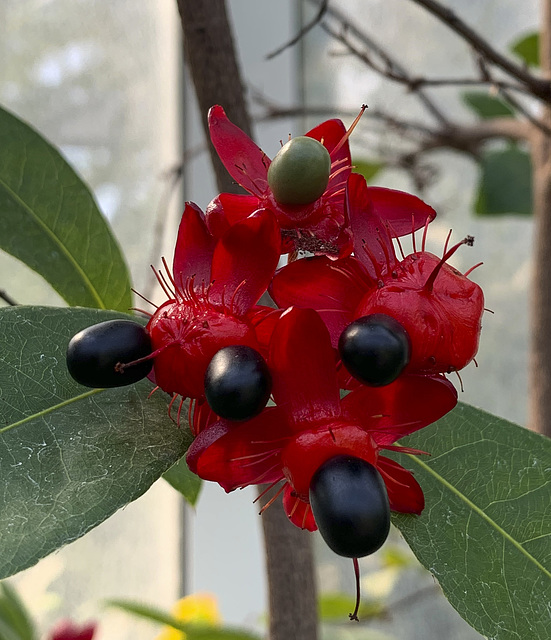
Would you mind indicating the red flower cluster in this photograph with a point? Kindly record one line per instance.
(352, 317)
(354, 357)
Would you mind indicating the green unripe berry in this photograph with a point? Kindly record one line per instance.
(300, 171)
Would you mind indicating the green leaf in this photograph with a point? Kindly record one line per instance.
(70, 456)
(14, 618)
(505, 183)
(528, 48)
(337, 606)
(487, 106)
(192, 631)
(368, 169)
(184, 481)
(485, 532)
(50, 221)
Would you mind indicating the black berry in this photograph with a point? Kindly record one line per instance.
(237, 383)
(350, 505)
(101, 355)
(375, 349)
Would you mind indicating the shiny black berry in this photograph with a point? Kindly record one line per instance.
(375, 349)
(350, 505)
(237, 383)
(97, 355)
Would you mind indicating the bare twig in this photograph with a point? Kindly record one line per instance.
(307, 27)
(350, 26)
(539, 87)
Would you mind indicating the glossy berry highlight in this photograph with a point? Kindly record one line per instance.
(350, 505)
(375, 349)
(110, 354)
(237, 383)
(299, 174)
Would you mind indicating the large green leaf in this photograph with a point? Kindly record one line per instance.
(487, 106)
(70, 456)
(505, 183)
(50, 221)
(485, 532)
(192, 631)
(528, 48)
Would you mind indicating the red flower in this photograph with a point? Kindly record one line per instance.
(440, 308)
(212, 297)
(320, 226)
(311, 424)
(67, 630)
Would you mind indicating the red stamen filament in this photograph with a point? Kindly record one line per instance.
(447, 241)
(469, 271)
(167, 293)
(354, 614)
(460, 381)
(121, 366)
(430, 280)
(144, 298)
(350, 129)
(423, 243)
(272, 500)
(263, 493)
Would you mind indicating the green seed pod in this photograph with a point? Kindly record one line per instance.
(300, 171)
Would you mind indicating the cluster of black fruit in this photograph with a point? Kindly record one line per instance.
(347, 495)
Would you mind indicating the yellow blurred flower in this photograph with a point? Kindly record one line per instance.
(196, 608)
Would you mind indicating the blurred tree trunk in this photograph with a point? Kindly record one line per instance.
(213, 64)
(540, 362)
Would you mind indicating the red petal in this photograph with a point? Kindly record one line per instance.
(404, 492)
(245, 161)
(302, 363)
(244, 261)
(402, 407)
(240, 454)
(333, 288)
(298, 511)
(372, 241)
(194, 247)
(264, 320)
(227, 209)
(330, 133)
(404, 211)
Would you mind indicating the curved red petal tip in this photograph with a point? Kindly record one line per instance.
(194, 248)
(228, 208)
(404, 492)
(402, 407)
(403, 211)
(244, 261)
(298, 511)
(372, 239)
(302, 363)
(67, 630)
(244, 160)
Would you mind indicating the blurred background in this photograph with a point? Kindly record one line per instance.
(106, 83)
